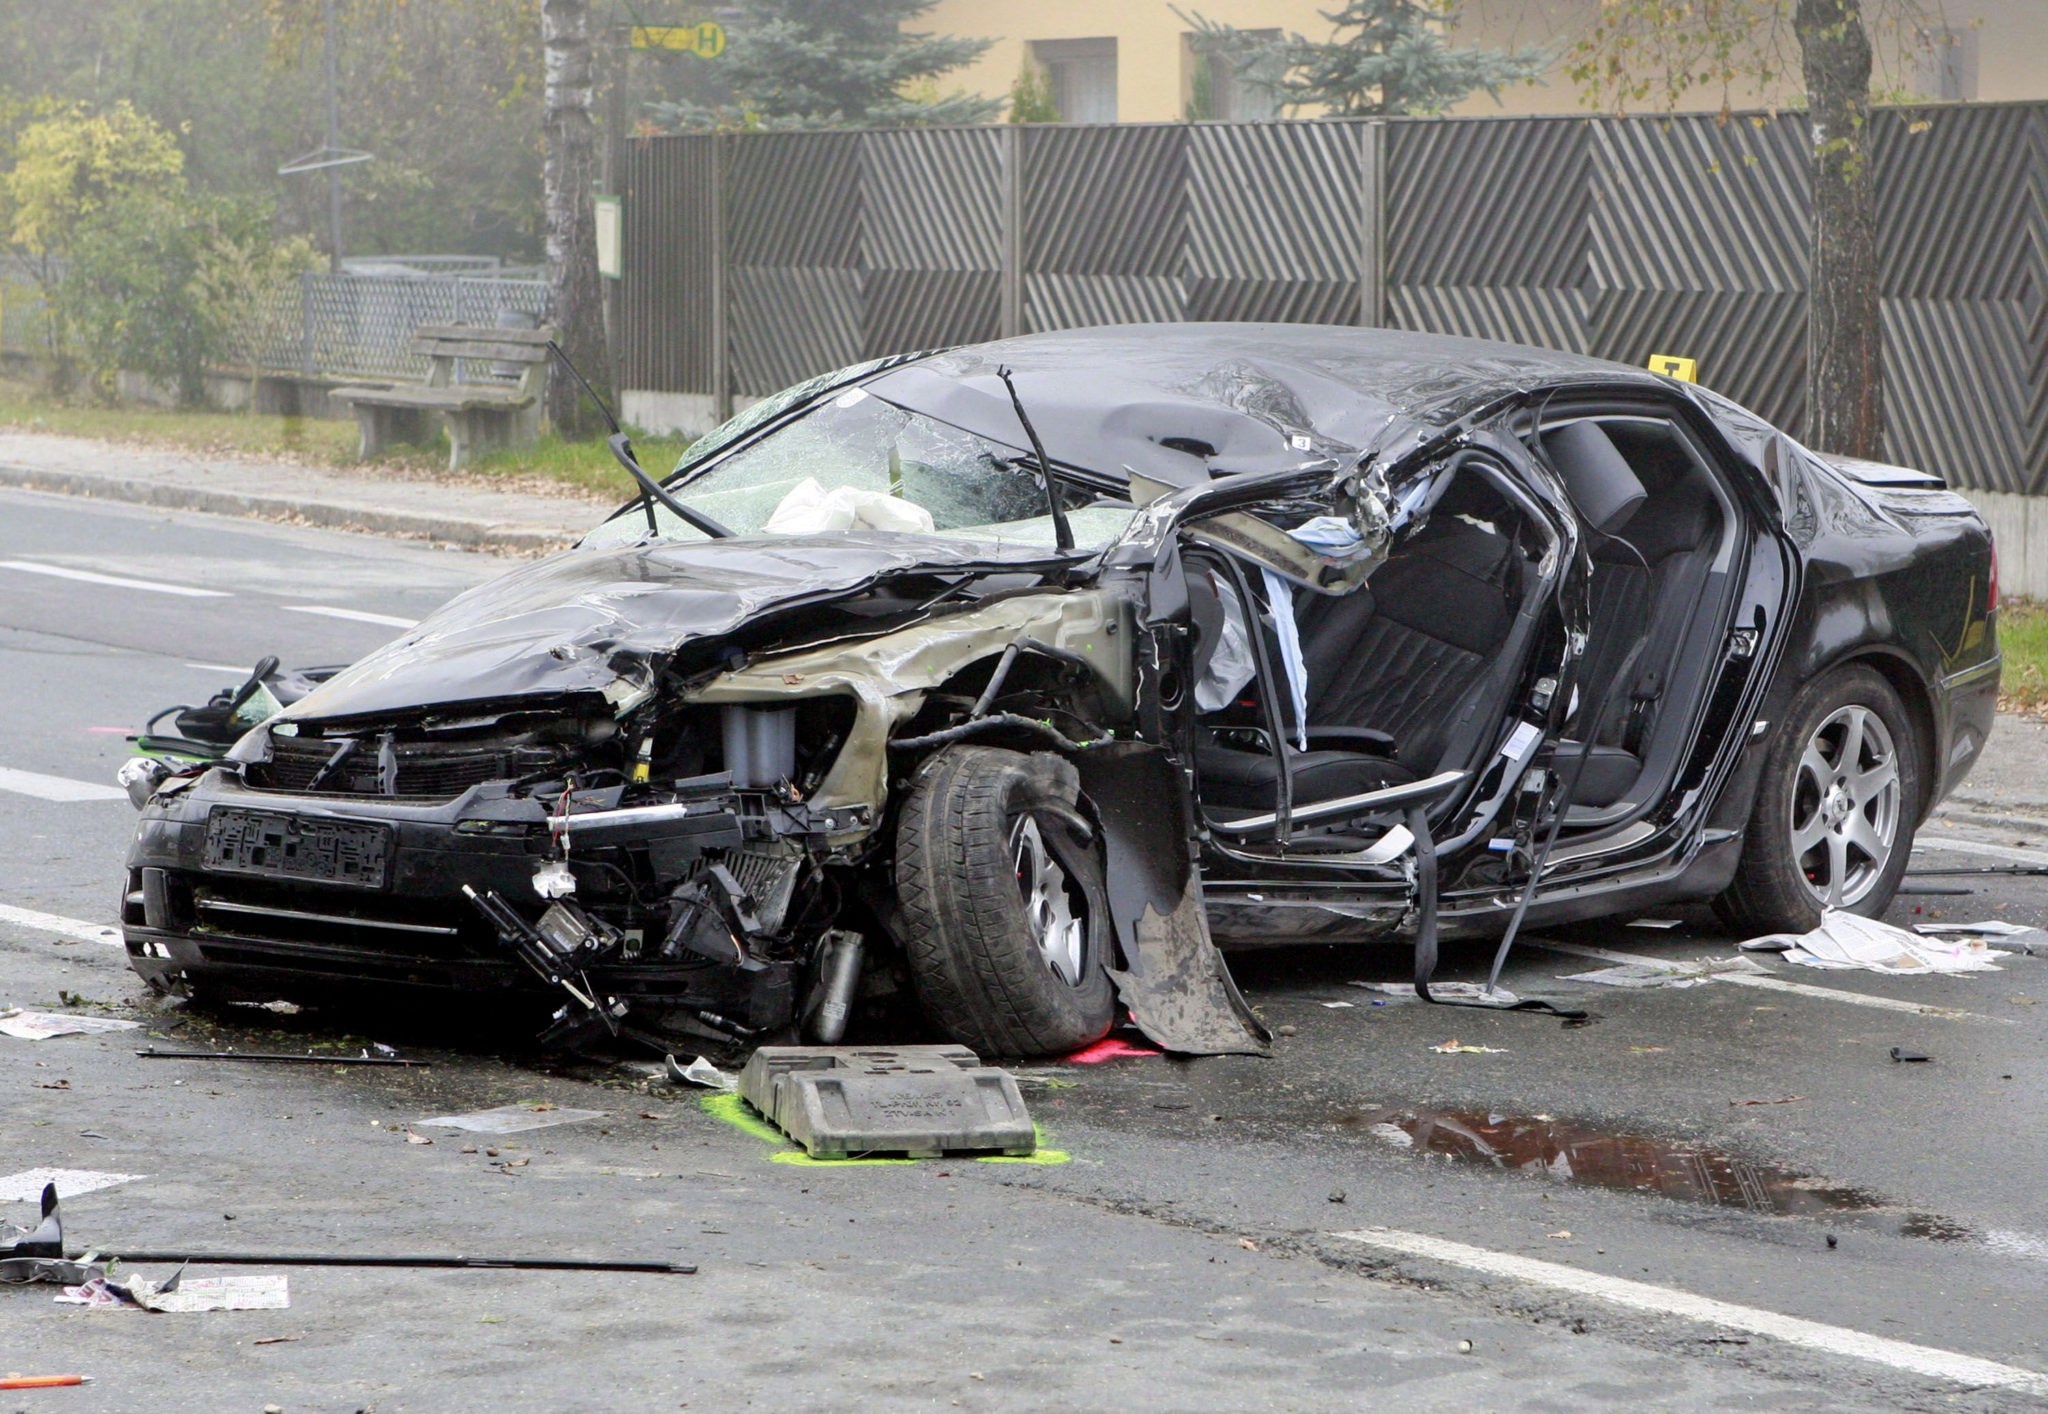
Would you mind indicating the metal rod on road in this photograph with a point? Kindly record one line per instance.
(343, 1259)
(273, 1058)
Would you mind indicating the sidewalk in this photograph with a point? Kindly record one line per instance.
(471, 513)
(2008, 787)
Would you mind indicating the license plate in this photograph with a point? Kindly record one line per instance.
(279, 846)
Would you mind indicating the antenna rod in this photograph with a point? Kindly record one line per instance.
(1063, 534)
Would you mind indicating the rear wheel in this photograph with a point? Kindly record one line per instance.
(1001, 903)
(1832, 827)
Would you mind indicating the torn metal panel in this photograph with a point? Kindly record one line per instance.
(1174, 981)
(888, 676)
(585, 620)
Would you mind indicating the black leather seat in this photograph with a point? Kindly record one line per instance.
(1239, 779)
(1405, 655)
(1651, 601)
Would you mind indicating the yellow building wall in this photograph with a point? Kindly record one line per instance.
(2012, 38)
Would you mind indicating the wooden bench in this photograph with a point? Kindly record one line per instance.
(489, 409)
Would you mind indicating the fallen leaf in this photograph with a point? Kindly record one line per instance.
(650, 1114)
(2016, 1001)
(412, 1138)
(1781, 1100)
(53, 1085)
(275, 1339)
(1459, 1048)
(1247, 1244)
(1561, 1232)
(1648, 1050)
(469, 1148)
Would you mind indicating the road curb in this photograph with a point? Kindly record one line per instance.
(1991, 820)
(454, 530)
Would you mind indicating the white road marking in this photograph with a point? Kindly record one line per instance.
(57, 923)
(1772, 984)
(360, 616)
(1925, 1360)
(88, 577)
(1993, 851)
(61, 788)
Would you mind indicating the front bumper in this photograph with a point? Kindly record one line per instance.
(188, 915)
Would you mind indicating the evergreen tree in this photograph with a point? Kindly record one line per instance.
(1386, 57)
(836, 64)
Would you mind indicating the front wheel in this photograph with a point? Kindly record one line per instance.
(1832, 827)
(1005, 925)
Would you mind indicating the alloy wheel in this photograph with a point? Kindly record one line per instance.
(1049, 903)
(1845, 806)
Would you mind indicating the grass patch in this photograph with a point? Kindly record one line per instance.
(587, 466)
(2023, 637)
(25, 408)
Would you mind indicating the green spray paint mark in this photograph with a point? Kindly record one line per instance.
(736, 1112)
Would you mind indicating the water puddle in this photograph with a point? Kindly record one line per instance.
(1563, 1151)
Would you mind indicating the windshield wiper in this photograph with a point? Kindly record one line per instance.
(622, 452)
(1062, 533)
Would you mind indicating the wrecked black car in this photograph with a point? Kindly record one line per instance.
(1017, 677)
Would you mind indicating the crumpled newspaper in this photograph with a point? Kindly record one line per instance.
(182, 1293)
(1850, 941)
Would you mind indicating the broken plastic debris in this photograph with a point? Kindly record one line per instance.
(1900, 1053)
(1459, 1048)
(511, 1119)
(1340, 1006)
(553, 879)
(42, 1025)
(1653, 923)
(1845, 940)
(28, 1184)
(700, 1072)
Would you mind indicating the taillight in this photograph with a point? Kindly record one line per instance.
(1991, 589)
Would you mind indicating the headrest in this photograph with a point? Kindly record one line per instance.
(1602, 486)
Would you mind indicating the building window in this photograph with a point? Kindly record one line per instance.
(1213, 83)
(1083, 77)
(1948, 63)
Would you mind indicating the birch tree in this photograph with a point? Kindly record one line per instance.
(569, 135)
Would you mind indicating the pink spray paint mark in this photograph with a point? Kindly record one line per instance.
(1108, 1049)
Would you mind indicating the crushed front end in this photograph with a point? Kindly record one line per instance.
(698, 847)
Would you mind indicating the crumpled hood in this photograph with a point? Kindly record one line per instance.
(582, 620)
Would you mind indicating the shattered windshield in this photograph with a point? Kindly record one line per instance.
(857, 463)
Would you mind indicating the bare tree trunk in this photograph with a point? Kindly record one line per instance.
(1844, 339)
(575, 297)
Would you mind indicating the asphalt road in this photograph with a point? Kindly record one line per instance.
(1187, 1255)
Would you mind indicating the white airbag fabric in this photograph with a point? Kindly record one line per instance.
(809, 509)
